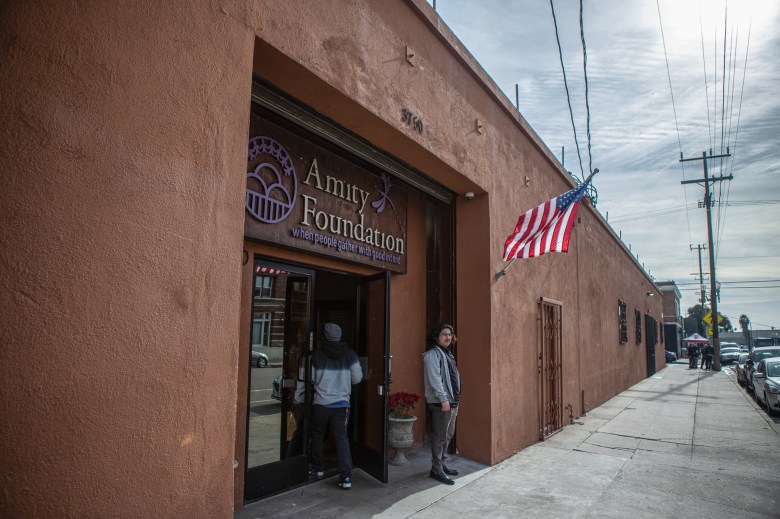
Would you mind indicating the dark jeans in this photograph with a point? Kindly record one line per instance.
(442, 431)
(337, 418)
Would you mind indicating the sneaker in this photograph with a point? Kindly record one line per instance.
(346, 483)
(316, 473)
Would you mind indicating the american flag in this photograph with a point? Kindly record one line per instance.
(268, 270)
(545, 228)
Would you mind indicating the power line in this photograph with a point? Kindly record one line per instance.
(566, 85)
(674, 109)
(683, 283)
(679, 209)
(585, 73)
(706, 86)
(741, 287)
(742, 92)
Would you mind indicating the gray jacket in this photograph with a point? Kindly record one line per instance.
(438, 385)
(335, 368)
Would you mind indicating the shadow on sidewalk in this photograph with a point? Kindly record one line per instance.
(409, 490)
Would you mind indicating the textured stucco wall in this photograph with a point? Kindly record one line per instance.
(125, 131)
(124, 128)
(350, 64)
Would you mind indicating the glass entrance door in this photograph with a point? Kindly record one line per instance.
(287, 316)
(280, 342)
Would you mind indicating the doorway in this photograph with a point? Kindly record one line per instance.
(290, 305)
(549, 368)
(650, 340)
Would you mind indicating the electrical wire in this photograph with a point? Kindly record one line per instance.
(706, 85)
(723, 209)
(742, 92)
(676, 125)
(585, 74)
(679, 209)
(566, 85)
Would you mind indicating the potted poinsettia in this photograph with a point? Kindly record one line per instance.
(401, 403)
(400, 424)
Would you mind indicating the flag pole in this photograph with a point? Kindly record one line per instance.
(502, 273)
(591, 176)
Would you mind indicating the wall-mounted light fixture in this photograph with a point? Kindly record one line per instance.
(469, 195)
(650, 294)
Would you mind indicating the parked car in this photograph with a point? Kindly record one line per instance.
(729, 352)
(259, 359)
(756, 356)
(670, 356)
(740, 368)
(766, 383)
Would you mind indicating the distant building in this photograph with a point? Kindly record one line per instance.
(672, 320)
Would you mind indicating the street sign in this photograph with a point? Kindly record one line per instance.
(708, 318)
(709, 331)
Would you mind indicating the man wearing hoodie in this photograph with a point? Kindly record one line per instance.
(335, 368)
(442, 394)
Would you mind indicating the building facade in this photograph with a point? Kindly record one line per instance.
(186, 184)
(673, 321)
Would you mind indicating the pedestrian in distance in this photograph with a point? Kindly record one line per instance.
(442, 394)
(335, 368)
(693, 356)
(706, 360)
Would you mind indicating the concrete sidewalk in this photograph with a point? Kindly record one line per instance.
(683, 443)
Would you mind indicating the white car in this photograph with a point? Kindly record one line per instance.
(729, 352)
(766, 384)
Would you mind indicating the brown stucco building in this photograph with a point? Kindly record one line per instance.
(188, 186)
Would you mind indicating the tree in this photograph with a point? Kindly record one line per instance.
(698, 312)
(744, 323)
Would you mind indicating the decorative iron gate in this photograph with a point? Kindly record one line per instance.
(549, 368)
(650, 340)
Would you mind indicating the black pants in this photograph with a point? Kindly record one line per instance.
(337, 419)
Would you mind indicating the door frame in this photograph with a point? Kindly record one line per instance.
(550, 367)
(372, 462)
(277, 476)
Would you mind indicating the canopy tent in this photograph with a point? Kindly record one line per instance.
(696, 338)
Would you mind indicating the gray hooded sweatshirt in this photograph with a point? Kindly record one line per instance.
(335, 367)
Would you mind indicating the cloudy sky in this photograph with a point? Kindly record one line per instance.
(636, 139)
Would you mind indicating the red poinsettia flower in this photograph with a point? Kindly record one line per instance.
(401, 403)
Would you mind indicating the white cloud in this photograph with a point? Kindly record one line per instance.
(634, 137)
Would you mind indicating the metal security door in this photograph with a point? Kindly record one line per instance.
(549, 368)
(650, 336)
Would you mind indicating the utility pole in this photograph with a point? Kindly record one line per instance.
(708, 206)
(701, 276)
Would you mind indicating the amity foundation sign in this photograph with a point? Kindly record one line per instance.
(302, 196)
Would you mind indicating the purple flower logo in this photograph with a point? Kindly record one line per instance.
(272, 184)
